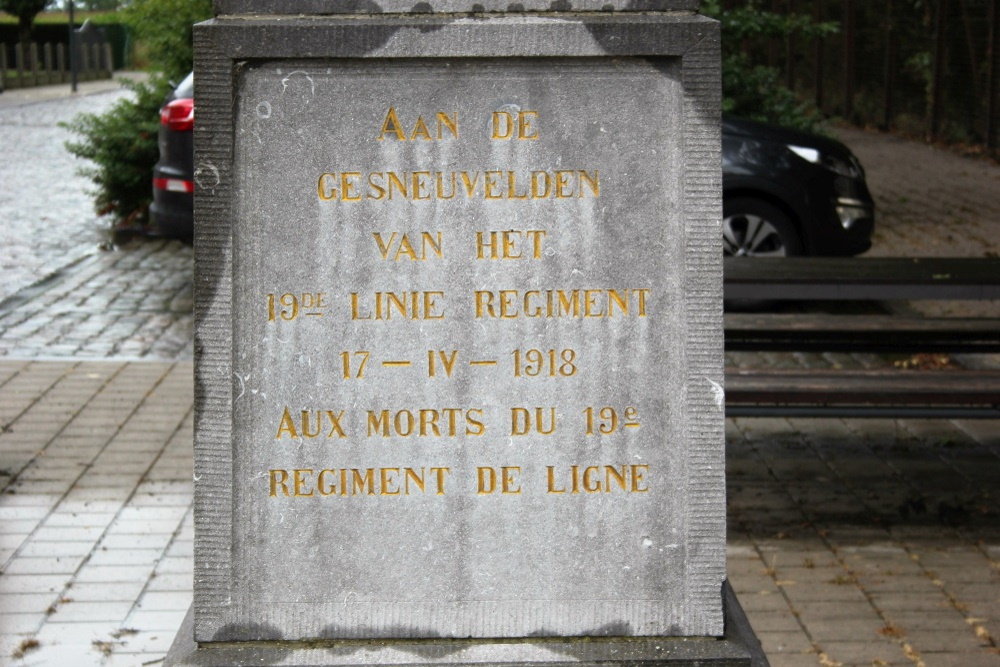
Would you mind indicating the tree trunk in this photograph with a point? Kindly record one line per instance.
(24, 29)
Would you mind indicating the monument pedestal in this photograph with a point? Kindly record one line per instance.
(739, 647)
(459, 328)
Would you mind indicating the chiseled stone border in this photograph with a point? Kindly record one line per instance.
(221, 47)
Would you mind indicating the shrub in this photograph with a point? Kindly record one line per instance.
(121, 144)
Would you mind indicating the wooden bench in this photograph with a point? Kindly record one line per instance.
(888, 392)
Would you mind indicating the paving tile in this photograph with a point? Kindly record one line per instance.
(122, 658)
(888, 582)
(34, 549)
(27, 603)
(30, 501)
(180, 549)
(13, 513)
(775, 643)
(78, 655)
(804, 592)
(57, 632)
(767, 602)
(167, 621)
(57, 565)
(889, 601)
(871, 652)
(817, 611)
(105, 592)
(104, 556)
(769, 621)
(974, 573)
(165, 601)
(12, 541)
(31, 583)
(147, 514)
(179, 500)
(171, 582)
(867, 628)
(81, 519)
(111, 498)
(21, 623)
(67, 534)
(100, 479)
(144, 527)
(79, 611)
(178, 565)
(114, 541)
(794, 660)
(113, 573)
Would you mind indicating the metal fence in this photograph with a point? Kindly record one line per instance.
(928, 68)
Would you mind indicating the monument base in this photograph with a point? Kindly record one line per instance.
(738, 648)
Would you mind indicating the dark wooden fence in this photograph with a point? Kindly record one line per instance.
(24, 66)
(928, 68)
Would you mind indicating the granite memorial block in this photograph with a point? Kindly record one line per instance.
(459, 342)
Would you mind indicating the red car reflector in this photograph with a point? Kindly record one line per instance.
(173, 185)
(178, 115)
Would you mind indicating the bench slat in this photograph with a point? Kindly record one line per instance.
(860, 333)
(861, 278)
(865, 387)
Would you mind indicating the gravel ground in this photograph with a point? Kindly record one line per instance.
(930, 203)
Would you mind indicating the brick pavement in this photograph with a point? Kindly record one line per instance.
(95, 510)
(867, 542)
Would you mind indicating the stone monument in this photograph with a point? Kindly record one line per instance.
(459, 341)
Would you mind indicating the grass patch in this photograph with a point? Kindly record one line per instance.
(62, 18)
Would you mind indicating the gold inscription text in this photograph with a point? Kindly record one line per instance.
(511, 304)
(356, 186)
(404, 305)
(506, 125)
(510, 244)
(310, 424)
(607, 420)
(344, 482)
(429, 244)
(289, 306)
(424, 422)
(525, 422)
(487, 478)
(598, 479)
(445, 124)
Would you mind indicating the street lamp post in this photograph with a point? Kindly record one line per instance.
(74, 57)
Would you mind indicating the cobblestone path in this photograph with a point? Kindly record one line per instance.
(47, 219)
(133, 302)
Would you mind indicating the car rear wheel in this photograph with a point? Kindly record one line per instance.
(755, 228)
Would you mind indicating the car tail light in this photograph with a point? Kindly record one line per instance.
(178, 115)
(173, 185)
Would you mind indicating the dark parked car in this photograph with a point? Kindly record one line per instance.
(172, 211)
(791, 193)
(784, 192)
